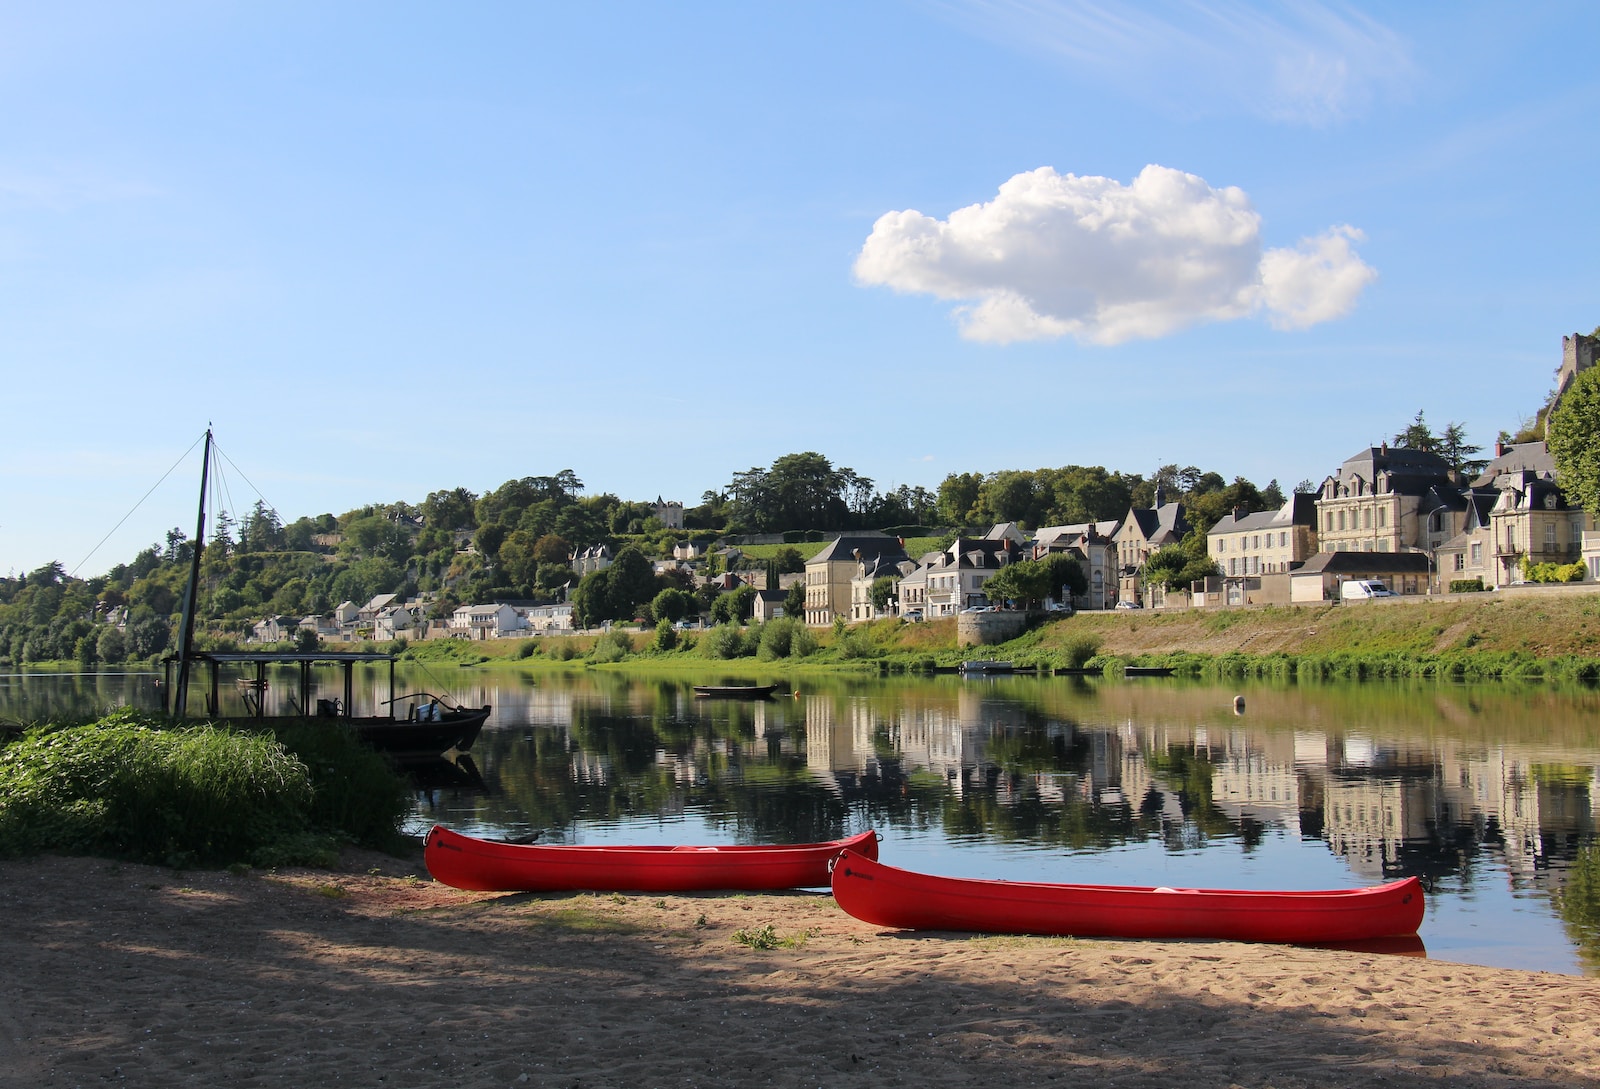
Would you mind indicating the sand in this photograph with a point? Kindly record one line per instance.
(118, 974)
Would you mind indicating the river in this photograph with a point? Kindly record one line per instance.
(1488, 793)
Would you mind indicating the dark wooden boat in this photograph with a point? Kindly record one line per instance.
(886, 896)
(486, 865)
(432, 725)
(1147, 671)
(734, 691)
(452, 729)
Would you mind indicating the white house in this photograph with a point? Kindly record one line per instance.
(497, 621)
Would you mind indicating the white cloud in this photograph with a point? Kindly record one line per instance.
(1056, 255)
(1300, 62)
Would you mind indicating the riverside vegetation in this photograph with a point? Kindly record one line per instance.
(139, 787)
(1540, 635)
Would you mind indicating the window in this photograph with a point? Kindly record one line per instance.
(1256, 541)
(1461, 561)
(1366, 518)
(1341, 521)
(1222, 544)
(1283, 539)
(1550, 535)
(1383, 517)
(1477, 553)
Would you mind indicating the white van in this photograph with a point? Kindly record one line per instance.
(1360, 589)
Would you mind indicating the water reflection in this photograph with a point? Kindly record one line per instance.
(1488, 794)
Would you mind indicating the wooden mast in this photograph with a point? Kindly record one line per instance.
(192, 595)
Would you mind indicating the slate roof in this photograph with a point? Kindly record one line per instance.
(1352, 563)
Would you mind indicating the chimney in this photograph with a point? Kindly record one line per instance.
(1499, 448)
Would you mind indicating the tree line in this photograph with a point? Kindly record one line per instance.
(517, 541)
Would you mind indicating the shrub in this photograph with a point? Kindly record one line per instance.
(1080, 649)
(776, 639)
(528, 648)
(126, 789)
(613, 646)
(1466, 586)
(666, 635)
(725, 641)
(856, 643)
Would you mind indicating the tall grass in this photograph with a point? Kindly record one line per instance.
(130, 787)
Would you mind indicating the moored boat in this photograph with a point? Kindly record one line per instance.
(485, 865)
(734, 691)
(986, 665)
(887, 896)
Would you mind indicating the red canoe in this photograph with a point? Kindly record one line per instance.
(887, 896)
(486, 865)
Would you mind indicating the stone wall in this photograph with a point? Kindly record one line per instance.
(982, 629)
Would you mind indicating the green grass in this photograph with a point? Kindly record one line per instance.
(136, 787)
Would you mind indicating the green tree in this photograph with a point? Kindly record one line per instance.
(882, 590)
(1417, 436)
(788, 560)
(1457, 451)
(1574, 438)
(794, 602)
(671, 605)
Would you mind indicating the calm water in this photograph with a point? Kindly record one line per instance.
(1489, 794)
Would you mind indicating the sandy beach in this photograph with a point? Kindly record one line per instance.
(119, 974)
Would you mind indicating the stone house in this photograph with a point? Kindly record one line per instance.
(493, 621)
(830, 571)
(1094, 546)
(1265, 542)
(1143, 532)
(591, 559)
(1389, 500)
(954, 580)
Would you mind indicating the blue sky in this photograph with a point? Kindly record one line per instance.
(391, 248)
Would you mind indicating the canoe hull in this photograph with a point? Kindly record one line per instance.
(466, 862)
(886, 896)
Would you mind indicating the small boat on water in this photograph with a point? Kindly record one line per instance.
(986, 665)
(734, 691)
(1147, 671)
(887, 896)
(486, 865)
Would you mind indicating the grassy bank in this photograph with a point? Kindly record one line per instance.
(1553, 636)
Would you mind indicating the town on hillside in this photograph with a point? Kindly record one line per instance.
(1421, 515)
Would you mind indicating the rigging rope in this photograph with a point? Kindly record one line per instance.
(73, 573)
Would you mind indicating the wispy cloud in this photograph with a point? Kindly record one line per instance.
(1299, 63)
(1057, 255)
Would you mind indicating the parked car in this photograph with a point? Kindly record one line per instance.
(1127, 605)
(913, 615)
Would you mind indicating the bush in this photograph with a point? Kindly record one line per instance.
(126, 789)
(666, 635)
(1080, 649)
(528, 648)
(856, 643)
(613, 646)
(726, 641)
(1466, 586)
